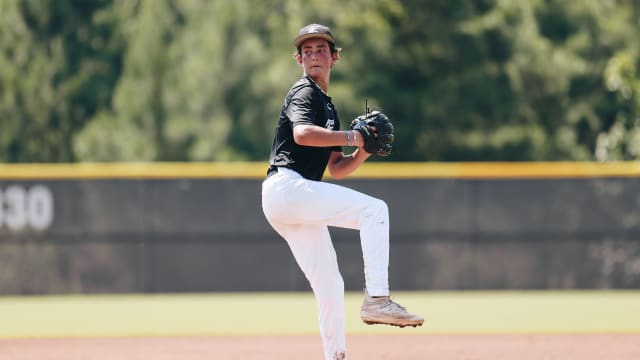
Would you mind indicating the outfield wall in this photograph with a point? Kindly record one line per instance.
(116, 228)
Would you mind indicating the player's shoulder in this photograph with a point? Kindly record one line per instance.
(305, 88)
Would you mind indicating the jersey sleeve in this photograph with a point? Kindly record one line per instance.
(301, 109)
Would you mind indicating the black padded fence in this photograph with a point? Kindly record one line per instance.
(209, 234)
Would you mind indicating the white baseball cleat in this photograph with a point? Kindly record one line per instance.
(382, 310)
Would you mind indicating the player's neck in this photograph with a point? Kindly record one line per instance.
(323, 84)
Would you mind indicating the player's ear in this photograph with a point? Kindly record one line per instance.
(335, 57)
(299, 58)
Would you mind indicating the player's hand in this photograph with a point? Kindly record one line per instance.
(376, 131)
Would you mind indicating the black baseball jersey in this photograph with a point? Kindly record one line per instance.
(305, 104)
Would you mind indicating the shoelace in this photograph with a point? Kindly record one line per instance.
(391, 305)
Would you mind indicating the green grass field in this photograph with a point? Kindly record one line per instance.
(500, 312)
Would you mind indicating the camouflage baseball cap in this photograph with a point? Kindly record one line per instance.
(314, 31)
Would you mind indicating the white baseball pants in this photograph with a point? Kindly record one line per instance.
(300, 211)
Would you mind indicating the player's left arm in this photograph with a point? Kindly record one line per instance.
(341, 165)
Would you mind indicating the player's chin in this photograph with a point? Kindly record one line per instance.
(315, 70)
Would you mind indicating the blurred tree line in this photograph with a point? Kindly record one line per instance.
(203, 80)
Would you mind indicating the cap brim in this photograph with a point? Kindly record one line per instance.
(302, 38)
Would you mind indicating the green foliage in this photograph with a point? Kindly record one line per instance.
(59, 63)
(622, 139)
(186, 80)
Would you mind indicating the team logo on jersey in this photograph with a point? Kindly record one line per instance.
(283, 158)
(329, 124)
(330, 121)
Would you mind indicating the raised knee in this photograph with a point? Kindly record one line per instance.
(377, 209)
(381, 205)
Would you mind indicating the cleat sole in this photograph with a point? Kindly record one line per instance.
(371, 322)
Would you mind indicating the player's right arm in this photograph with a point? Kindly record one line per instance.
(340, 165)
(312, 135)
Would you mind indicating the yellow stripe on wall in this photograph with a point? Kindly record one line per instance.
(491, 170)
(257, 170)
(151, 170)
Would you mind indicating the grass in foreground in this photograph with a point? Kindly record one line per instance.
(507, 312)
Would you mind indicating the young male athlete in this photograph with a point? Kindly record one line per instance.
(299, 206)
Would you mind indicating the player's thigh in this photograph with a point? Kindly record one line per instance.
(329, 204)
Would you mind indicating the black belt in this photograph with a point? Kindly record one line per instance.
(272, 171)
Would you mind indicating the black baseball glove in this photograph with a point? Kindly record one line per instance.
(377, 131)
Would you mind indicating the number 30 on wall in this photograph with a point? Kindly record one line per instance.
(26, 208)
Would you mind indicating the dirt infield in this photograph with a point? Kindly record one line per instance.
(361, 347)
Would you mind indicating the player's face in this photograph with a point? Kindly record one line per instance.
(316, 58)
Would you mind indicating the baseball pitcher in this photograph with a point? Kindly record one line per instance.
(300, 206)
